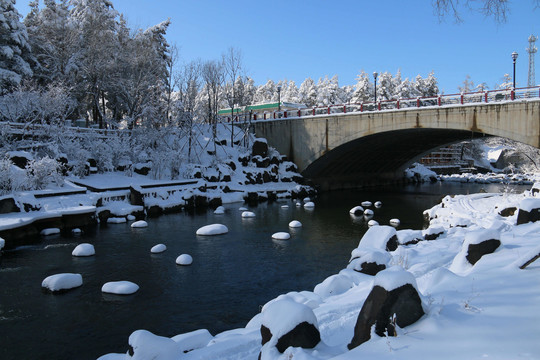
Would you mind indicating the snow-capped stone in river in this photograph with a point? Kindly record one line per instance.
(220, 210)
(76, 231)
(62, 282)
(382, 237)
(366, 203)
(2, 243)
(309, 205)
(357, 211)
(298, 204)
(159, 248)
(372, 223)
(139, 224)
(284, 206)
(130, 217)
(248, 214)
(295, 224)
(84, 249)
(49, 231)
(395, 222)
(184, 259)
(368, 212)
(116, 220)
(281, 236)
(306, 200)
(213, 229)
(242, 208)
(120, 287)
(378, 204)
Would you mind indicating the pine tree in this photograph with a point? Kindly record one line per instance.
(15, 52)
(363, 89)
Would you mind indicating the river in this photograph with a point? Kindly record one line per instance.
(231, 277)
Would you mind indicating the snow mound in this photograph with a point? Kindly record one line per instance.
(242, 208)
(368, 212)
(220, 210)
(370, 255)
(281, 236)
(120, 287)
(393, 278)
(213, 229)
(529, 204)
(130, 217)
(378, 204)
(284, 206)
(184, 260)
(357, 210)
(248, 214)
(282, 316)
(193, 340)
(2, 243)
(366, 203)
(377, 237)
(159, 248)
(139, 224)
(295, 224)
(61, 282)
(49, 231)
(394, 222)
(372, 223)
(333, 285)
(116, 220)
(84, 249)
(309, 205)
(76, 231)
(146, 345)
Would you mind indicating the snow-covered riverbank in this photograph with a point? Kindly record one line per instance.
(486, 310)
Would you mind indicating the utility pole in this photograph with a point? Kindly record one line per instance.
(531, 50)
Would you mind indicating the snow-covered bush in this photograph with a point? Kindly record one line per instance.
(102, 153)
(43, 172)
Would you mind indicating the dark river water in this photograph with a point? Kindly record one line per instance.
(231, 277)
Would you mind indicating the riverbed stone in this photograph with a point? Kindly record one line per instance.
(259, 148)
(476, 251)
(8, 205)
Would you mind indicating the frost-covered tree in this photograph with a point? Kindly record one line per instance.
(385, 87)
(426, 87)
(291, 93)
(15, 51)
(468, 85)
(507, 82)
(266, 92)
(308, 92)
(363, 89)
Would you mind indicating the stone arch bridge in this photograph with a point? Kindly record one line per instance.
(360, 148)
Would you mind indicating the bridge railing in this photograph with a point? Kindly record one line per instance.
(396, 104)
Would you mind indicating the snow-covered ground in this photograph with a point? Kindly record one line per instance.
(484, 311)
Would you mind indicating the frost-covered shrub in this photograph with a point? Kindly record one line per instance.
(102, 153)
(43, 172)
(78, 161)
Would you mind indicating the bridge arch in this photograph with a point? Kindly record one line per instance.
(355, 149)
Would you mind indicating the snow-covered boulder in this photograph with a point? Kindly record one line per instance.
(381, 237)
(139, 224)
(477, 243)
(394, 222)
(248, 214)
(295, 224)
(281, 236)
(372, 223)
(116, 220)
(287, 323)
(193, 340)
(76, 231)
(2, 243)
(184, 259)
(84, 249)
(159, 248)
(366, 203)
(432, 232)
(394, 299)
(144, 345)
(357, 211)
(529, 210)
(368, 261)
(259, 147)
(49, 231)
(213, 229)
(220, 210)
(309, 205)
(368, 213)
(333, 285)
(62, 282)
(409, 236)
(120, 287)
(378, 204)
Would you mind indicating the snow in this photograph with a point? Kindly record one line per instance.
(281, 236)
(529, 204)
(368, 212)
(2, 243)
(366, 203)
(64, 281)
(84, 249)
(309, 205)
(393, 278)
(149, 346)
(120, 287)
(378, 204)
(357, 210)
(139, 224)
(282, 316)
(184, 259)
(377, 236)
(49, 231)
(159, 248)
(295, 224)
(372, 223)
(394, 222)
(248, 214)
(116, 220)
(220, 210)
(193, 340)
(213, 229)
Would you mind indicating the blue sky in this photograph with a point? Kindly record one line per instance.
(298, 39)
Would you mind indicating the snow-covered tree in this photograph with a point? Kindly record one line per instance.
(308, 92)
(507, 82)
(291, 93)
(266, 92)
(385, 86)
(363, 89)
(468, 85)
(15, 52)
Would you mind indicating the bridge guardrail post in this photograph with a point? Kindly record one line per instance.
(418, 102)
(439, 100)
(461, 99)
(344, 109)
(379, 105)
(299, 113)
(512, 94)
(397, 103)
(285, 114)
(328, 110)
(361, 107)
(486, 96)
(313, 111)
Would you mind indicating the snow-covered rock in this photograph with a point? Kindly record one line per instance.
(248, 214)
(2, 243)
(295, 224)
(357, 210)
(49, 231)
(62, 282)
(281, 236)
(372, 223)
(184, 259)
(120, 287)
(139, 224)
(144, 345)
(76, 231)
(193, 340)
(381, 237)
(84, 249)
(220, 210)
(378, 204)
(368, 212)
(366, 203)
(159, 248)
(394, 222)
(213, 229)
(309, 205)
(368, 260)
(116, 220)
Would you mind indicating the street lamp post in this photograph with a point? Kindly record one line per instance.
(514, 58)
(375, 74)
(279, 97)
